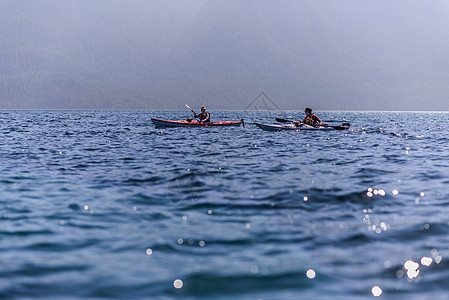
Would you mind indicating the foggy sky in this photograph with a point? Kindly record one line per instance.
(161, 54)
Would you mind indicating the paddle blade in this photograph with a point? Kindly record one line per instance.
(284, 120)
(191, 110)
(343, 127)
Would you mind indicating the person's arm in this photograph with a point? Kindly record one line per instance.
(318, 120)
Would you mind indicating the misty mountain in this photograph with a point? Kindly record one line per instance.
(328, 54)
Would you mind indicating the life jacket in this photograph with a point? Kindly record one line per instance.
(204, 117)
(311, 119)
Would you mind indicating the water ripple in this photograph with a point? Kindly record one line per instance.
(101, 205)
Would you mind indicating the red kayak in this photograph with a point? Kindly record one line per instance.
(193, 123)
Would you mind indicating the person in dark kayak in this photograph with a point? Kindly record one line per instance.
(204, 116)
(310, 119)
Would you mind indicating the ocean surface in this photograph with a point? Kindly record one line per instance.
(102, 205)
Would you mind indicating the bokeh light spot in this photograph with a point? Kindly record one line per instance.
(376, 290)
(412, 269)
(426, 261)
(178, 283)
(311, 274)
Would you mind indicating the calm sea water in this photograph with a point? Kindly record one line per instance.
(101, 205)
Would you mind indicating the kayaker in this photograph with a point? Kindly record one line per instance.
(204, 116)
(310, 119)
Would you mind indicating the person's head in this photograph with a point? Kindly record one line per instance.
(203, 108)
(308, 111)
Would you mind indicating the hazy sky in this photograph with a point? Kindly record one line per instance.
(161, 54)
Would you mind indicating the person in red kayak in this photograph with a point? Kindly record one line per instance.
(310, 119)
(203, 116)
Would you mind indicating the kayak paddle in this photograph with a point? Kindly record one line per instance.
(191, 109)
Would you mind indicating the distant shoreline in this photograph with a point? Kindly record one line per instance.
(221, 110)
